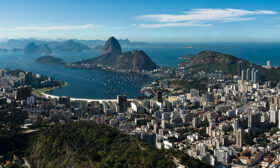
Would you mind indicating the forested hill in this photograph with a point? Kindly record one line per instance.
(210, 61)
(85, 144)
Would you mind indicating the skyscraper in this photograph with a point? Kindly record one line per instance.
(236, 123)
(159, 96)
(239, 137)
(256, 76)
(23, 92)
(248, 74)
(239, 68)
(273, 116)
(254, 120)
(28, 78)
(243, 74)
(252, 74)
(122, 102)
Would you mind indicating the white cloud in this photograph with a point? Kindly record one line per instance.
(158, 25)
(200, 16)
(52, 27)
(206, 15)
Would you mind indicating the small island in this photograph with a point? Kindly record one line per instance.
(50, 60)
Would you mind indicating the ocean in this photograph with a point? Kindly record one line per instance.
(99, 84)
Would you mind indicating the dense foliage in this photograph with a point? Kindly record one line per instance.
(270, 75)
(13, 143)
(11, 116)
(85, 144)
(187, 85)
(210, 61)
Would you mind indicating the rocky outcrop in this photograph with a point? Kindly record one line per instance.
(112, 57)
(112, 46)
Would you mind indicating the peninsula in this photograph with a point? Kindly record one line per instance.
(113, 58)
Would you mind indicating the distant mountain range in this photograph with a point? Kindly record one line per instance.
(123, 43)
(21, 43)
(45, 49)
(112, 56)
(71, 45)
(33, 48)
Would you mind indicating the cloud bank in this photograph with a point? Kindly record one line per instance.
(201, 17)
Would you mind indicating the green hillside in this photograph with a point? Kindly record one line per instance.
(210, 61)
(134, 60)
(84, 144)
(50, 60)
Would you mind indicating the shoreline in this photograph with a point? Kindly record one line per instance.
(110, 69)
(49, 96)
(40, 91)
(43, 94)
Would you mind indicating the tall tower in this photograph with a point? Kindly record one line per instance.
(243, 74)
(28, 78)
(248, 75)
(252, 74)
(159, 96)
(273, 116)
(239, 68)
(239, 137)
(122, 102)
(256, 75)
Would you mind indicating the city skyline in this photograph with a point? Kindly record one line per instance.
(176, 21)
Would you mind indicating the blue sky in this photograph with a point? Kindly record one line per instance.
(143, 20)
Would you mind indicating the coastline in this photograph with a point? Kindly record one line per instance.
(110, 69)
(49, 96)
(42, 93)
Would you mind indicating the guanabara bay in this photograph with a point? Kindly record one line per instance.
(139, 84)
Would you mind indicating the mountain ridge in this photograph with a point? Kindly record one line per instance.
(210, 61)
(113, 57)
(33, 48)
(71, 45)
(86, 144)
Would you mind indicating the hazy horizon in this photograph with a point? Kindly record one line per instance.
(176, 21)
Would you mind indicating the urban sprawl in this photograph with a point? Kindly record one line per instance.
(218, 118)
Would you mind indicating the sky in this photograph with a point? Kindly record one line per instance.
(143, 20)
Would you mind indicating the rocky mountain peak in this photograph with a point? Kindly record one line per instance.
(112, 46)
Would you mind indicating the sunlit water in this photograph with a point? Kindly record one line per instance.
(99, 84)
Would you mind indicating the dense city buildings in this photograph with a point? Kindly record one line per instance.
(220, 119)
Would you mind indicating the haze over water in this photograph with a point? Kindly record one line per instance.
(99, 84)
